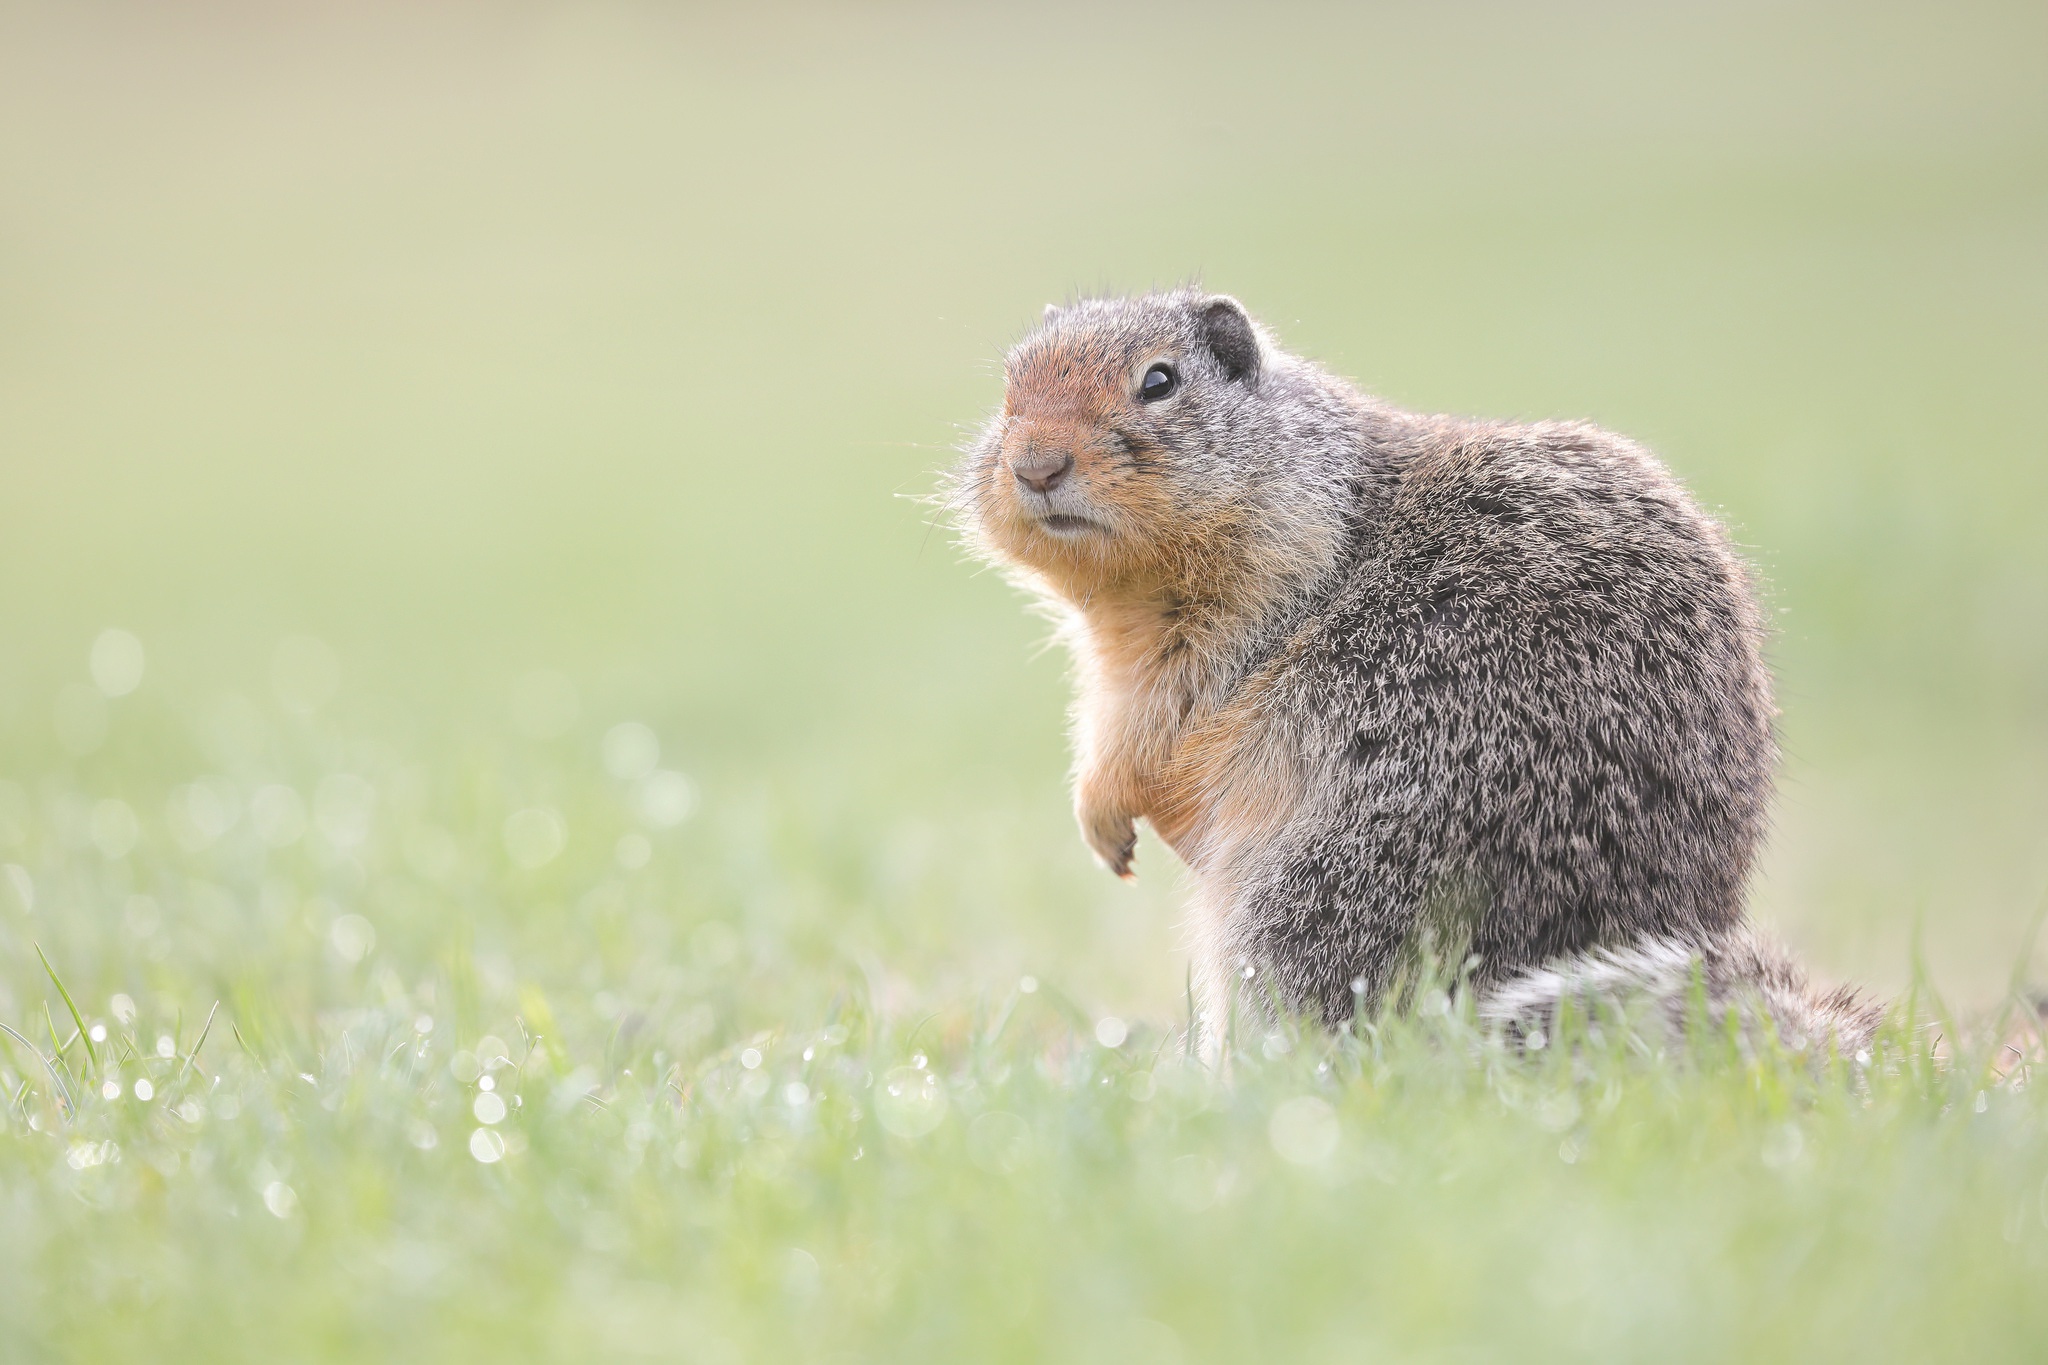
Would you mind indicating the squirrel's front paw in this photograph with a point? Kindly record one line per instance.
(1113, 836)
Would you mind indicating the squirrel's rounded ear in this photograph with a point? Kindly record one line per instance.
(1228, 330)
(1052, 310)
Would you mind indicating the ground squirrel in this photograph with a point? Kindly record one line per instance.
(1383, 679)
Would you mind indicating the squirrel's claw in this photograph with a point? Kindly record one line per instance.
(1114, 840)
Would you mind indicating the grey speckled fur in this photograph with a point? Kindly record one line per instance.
(1385, 679)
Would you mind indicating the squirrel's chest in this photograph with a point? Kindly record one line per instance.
(1228, 782)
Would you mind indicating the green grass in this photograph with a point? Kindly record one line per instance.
(723, 1124)
(428, 392)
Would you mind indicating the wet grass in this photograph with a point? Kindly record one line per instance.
(430, 1073)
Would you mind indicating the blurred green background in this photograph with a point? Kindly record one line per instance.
(600, 353)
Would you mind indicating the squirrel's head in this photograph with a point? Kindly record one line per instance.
(1121, 447)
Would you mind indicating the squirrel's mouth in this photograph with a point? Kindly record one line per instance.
(1066, 526)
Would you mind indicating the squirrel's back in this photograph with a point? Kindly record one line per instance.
(1535, 715)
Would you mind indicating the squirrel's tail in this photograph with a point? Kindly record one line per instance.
(1741, 973)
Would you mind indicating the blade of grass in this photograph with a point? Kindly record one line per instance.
(48, 1065)
(204, 1029)
(57, 1049)
(76, 1017)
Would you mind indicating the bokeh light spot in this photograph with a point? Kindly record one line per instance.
(633, 851)
(352, 938)
(278, 814)
(117, 663)
(666, 798)
(631, 751)
(910, 1102)
(280, 1198)
(114, 828)
(1304, 1130)
(534, 837)
(343, 806)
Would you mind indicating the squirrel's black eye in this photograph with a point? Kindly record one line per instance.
(1159, 382)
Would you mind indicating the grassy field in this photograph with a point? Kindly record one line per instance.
(548, 856)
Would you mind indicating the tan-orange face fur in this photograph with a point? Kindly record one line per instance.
(1069, 399)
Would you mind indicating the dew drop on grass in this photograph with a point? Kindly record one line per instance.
(486, 1083)
(910, 1102)
(280, 1198)
(464, 1067)
(111, 1090)
(487, 1145)
(489, 1108)
(1111, 1031)
(165, 1048)
(144, 1091)
(796, 1094)
(85, 1155)
(750, 1058)
(423, 1025)
(98, 1033)
(1028, 985)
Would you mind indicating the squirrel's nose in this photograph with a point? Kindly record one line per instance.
(1041, 470)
